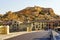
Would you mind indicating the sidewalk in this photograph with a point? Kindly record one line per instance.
(55, 33)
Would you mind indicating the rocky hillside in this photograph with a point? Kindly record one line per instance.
(31, 14)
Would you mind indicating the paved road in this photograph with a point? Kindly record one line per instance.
(10, 35)
(31, 36)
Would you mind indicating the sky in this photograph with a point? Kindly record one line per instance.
(16, 5)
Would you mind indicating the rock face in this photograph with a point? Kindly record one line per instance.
(36, 10)
(31, 13)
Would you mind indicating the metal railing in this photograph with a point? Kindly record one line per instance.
(53, 36)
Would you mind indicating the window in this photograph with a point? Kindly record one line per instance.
(36, 26)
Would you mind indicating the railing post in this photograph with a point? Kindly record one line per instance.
(7, 30)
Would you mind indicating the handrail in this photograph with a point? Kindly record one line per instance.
(53, 36)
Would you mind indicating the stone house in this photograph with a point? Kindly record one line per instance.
(44, 24)
(32, 26)
(13, 25)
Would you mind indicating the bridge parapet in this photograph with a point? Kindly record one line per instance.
(4, 29)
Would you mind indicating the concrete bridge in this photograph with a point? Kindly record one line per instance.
(36, 35)
(40, 35)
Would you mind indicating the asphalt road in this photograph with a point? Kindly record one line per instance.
(31, 36)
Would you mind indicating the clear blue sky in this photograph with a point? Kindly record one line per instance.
(16, 5)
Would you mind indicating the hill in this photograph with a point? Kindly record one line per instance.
(31, 14)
